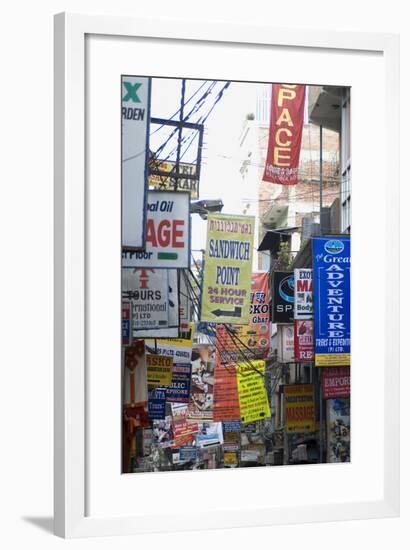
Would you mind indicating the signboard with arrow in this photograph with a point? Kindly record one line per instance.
(228, 269)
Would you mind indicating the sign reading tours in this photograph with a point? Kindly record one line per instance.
(167, 183)
(303, 294)
(167, 240)
(228, 267)
(135, 110)
(331, 288)
(299, 408)
(253, 399)
(283, 297)
(336, 382)
(303, 340)
(154, 298)
(285, 134)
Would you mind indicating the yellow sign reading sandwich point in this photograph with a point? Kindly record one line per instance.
(228, 269)
(253, 399)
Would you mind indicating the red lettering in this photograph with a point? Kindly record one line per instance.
(151, 234)
(164, 233)
(177, 234)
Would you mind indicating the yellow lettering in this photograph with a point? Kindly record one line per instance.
(278, 138)
(284, 117)
(285, 94)
(278, 157)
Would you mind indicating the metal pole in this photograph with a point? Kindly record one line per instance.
(320, 422)
(321, 175)
(181, 120)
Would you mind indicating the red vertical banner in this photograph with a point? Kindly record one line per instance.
(285, 134)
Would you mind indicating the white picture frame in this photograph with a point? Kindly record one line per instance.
(75, 436)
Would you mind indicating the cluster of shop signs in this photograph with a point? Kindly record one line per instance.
(312, 309)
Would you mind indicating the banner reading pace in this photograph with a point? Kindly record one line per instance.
(331, 293)
(135, 110)
(285, 134)
(228, 267)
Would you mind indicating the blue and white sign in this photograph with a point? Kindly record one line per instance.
(331, 295)
(156, 404)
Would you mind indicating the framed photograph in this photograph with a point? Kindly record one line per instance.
(226, 275)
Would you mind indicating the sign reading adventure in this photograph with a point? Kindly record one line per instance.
(299, 408)
(331, 288)
(167, 233)
(283, 297)
(303, 293)
(135, 110)
(285, 134)
(228, 268)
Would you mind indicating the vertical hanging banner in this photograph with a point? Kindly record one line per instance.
(303, 340)
(167, 240)
(285, 134)
(299, 408)
(201, 399)
(336, 382)
(331, 293)
(228, 267)
(135, 110)
(253, 399)
(303, 294)
(283, 297)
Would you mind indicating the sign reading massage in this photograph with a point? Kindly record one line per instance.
(135, 110)
(228, 269)
(167, 233)
(331, 294)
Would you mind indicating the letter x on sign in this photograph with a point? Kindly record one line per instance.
(131, 90)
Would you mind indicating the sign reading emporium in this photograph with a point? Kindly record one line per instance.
(331, 294)
(285, 134)
(135, 110)
(228, 268)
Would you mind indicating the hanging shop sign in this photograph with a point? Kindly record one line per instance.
(126, 323)
(135, 384)
(285, 134)
(180, 349)
(167, 241)
(226, 400)
(283, 297)
(299, 408)
(253, 399)
(228, 267)
(286, 343)
(303, 340)
(239, 342)
(154, 299)
(331, 288)
(201, 400)
(135, 108)
(335, 382)
(179, 389)
(230, 459)
(338, 429)
(159, 370)
(156, 404)
(183, 429)
(163, 182)
(303, 294)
